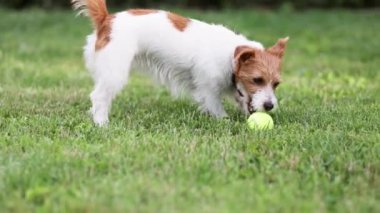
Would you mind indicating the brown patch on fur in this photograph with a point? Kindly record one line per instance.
(101, 19)
(254, 63)
(279, 48)
(179, 22)
(103, 32)
(97, 10)
(141, 12)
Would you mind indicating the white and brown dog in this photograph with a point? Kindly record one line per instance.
(204, 60)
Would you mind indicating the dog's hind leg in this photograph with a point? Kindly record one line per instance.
(110, 75)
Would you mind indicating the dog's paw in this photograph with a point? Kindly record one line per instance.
(100, 119)
(221, 115)
(216, 114)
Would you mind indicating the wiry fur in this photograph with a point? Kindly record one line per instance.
(194, 57)
(95, 9)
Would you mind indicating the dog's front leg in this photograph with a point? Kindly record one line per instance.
(210, 103)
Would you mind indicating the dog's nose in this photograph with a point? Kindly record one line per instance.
(268, 106)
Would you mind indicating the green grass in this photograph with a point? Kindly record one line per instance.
(160, 155)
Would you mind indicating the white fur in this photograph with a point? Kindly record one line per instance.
(264, 95)
(80, 6)
(199, 60)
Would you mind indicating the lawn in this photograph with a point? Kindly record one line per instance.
(161, 155)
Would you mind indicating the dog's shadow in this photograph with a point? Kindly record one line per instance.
(163, 113)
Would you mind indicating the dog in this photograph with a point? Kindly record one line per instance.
(203, 60)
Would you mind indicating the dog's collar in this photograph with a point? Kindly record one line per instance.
(233, 80)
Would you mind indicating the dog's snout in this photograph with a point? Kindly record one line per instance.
(268, 106)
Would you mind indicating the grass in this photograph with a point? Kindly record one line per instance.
(161, 155)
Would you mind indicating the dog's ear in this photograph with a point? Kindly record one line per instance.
(279, 48)
(244, 53)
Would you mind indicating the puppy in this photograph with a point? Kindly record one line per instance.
(203, 60)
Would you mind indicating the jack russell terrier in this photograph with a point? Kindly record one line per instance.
(203, 60)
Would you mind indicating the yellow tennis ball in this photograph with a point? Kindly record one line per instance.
(260, 121)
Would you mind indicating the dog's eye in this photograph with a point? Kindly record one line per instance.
(258, 81)
(275, 84)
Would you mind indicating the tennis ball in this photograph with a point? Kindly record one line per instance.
(260, 121)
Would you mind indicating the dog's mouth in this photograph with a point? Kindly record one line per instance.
(242, 101)
(250, 108)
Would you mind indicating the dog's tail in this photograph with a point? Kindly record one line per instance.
(95, 9)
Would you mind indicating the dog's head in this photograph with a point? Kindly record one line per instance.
(256, 76)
